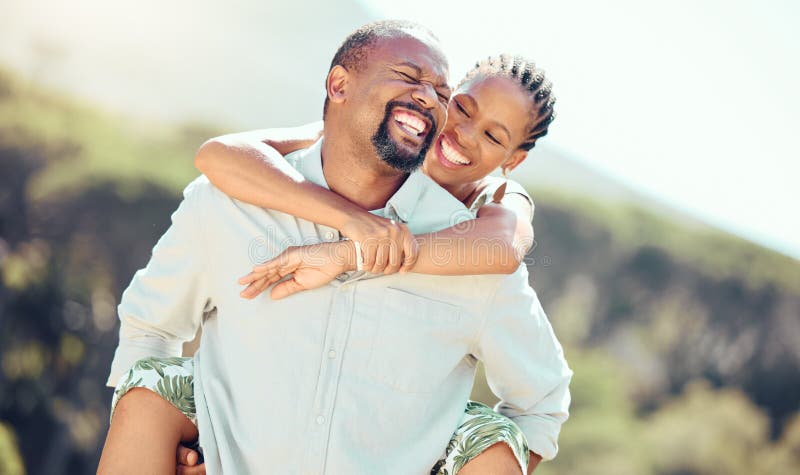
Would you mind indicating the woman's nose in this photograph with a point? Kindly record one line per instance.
(465, 134)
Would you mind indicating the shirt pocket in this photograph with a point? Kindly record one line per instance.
(417, 343)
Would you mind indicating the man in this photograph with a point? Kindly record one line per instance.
(365, 375)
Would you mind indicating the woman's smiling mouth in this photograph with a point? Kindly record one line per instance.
(448, 154)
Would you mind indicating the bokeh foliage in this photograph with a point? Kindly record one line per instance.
(685, 341)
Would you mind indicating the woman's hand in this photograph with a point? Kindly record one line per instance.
(310, 266)
(386, 245)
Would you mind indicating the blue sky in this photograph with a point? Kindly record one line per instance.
(695, 103)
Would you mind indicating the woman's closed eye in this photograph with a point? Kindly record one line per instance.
(461, 109)
(492, 138)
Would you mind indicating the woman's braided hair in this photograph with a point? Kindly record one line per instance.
(532, 80)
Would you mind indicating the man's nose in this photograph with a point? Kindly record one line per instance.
(425, 95)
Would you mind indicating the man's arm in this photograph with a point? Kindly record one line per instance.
(525, 365)
(163, 306)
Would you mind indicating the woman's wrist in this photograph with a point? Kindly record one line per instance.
(340, 217)
(348, 254)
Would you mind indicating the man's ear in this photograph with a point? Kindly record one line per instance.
(337, 84)
(514, 160)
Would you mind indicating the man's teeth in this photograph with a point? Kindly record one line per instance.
(453, 155)
(409, 123)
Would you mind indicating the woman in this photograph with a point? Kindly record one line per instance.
(495, 117)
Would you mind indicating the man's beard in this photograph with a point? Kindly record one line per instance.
(396, 156)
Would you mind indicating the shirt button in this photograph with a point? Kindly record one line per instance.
(320, 420)
(329, 235)
(332, 354)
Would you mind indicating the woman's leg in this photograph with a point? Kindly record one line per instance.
(485, 442)
(144, 435)
(498, 459)
(152, 412)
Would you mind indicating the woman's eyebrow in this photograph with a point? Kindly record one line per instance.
(466, 97)
(503, 128)
(474, 104)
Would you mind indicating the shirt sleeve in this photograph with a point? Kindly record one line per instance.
(493, 184)
(514, 187)
(163, 306)
(525, 364)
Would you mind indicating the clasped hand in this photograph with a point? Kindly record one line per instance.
(387, 247)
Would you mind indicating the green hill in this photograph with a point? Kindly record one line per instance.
(685, 340)
(85, 145)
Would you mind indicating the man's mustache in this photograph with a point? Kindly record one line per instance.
(414, 107)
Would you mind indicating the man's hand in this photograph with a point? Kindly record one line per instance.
(386, 245)
(187, 462)
(309, 266)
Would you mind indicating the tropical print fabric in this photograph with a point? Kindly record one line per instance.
(171, 378)
(480, 427)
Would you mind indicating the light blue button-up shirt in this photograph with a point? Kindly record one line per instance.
(369, 374)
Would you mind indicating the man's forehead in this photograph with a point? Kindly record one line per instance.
(415, 48)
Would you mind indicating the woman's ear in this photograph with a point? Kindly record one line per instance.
(514, 160)
(336, 84)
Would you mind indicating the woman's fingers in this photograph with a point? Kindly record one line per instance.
(246, 279)
(410, 250)
(402, 249)
(381, 257)
(254, 289)
(389, 256)
(258, 275)
(395, 257)
(369, 249)
(272, 270)
(252, 277)
(383, 247)
(286, 288)
(250, 291)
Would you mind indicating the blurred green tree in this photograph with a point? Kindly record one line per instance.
(10, 459)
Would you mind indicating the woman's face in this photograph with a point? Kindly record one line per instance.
(486, 122)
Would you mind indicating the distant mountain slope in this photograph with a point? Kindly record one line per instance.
(671, 303)
(237, 64)
(170, 62)
(549, 168)
(85, 195)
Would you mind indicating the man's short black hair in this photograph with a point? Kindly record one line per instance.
(353, 52)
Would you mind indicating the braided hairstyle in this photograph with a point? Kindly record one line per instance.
(532, 80)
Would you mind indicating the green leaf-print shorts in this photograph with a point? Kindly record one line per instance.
(479, 428)
(170, 378)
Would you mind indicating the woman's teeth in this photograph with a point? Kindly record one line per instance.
(410, 123)
(453, 155)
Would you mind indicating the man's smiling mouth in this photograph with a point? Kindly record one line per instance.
(410, 123)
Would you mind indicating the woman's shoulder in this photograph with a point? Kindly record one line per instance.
(489, 186)
(491, 183)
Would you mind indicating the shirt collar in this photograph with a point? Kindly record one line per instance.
(309, 163)
(400, 206)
